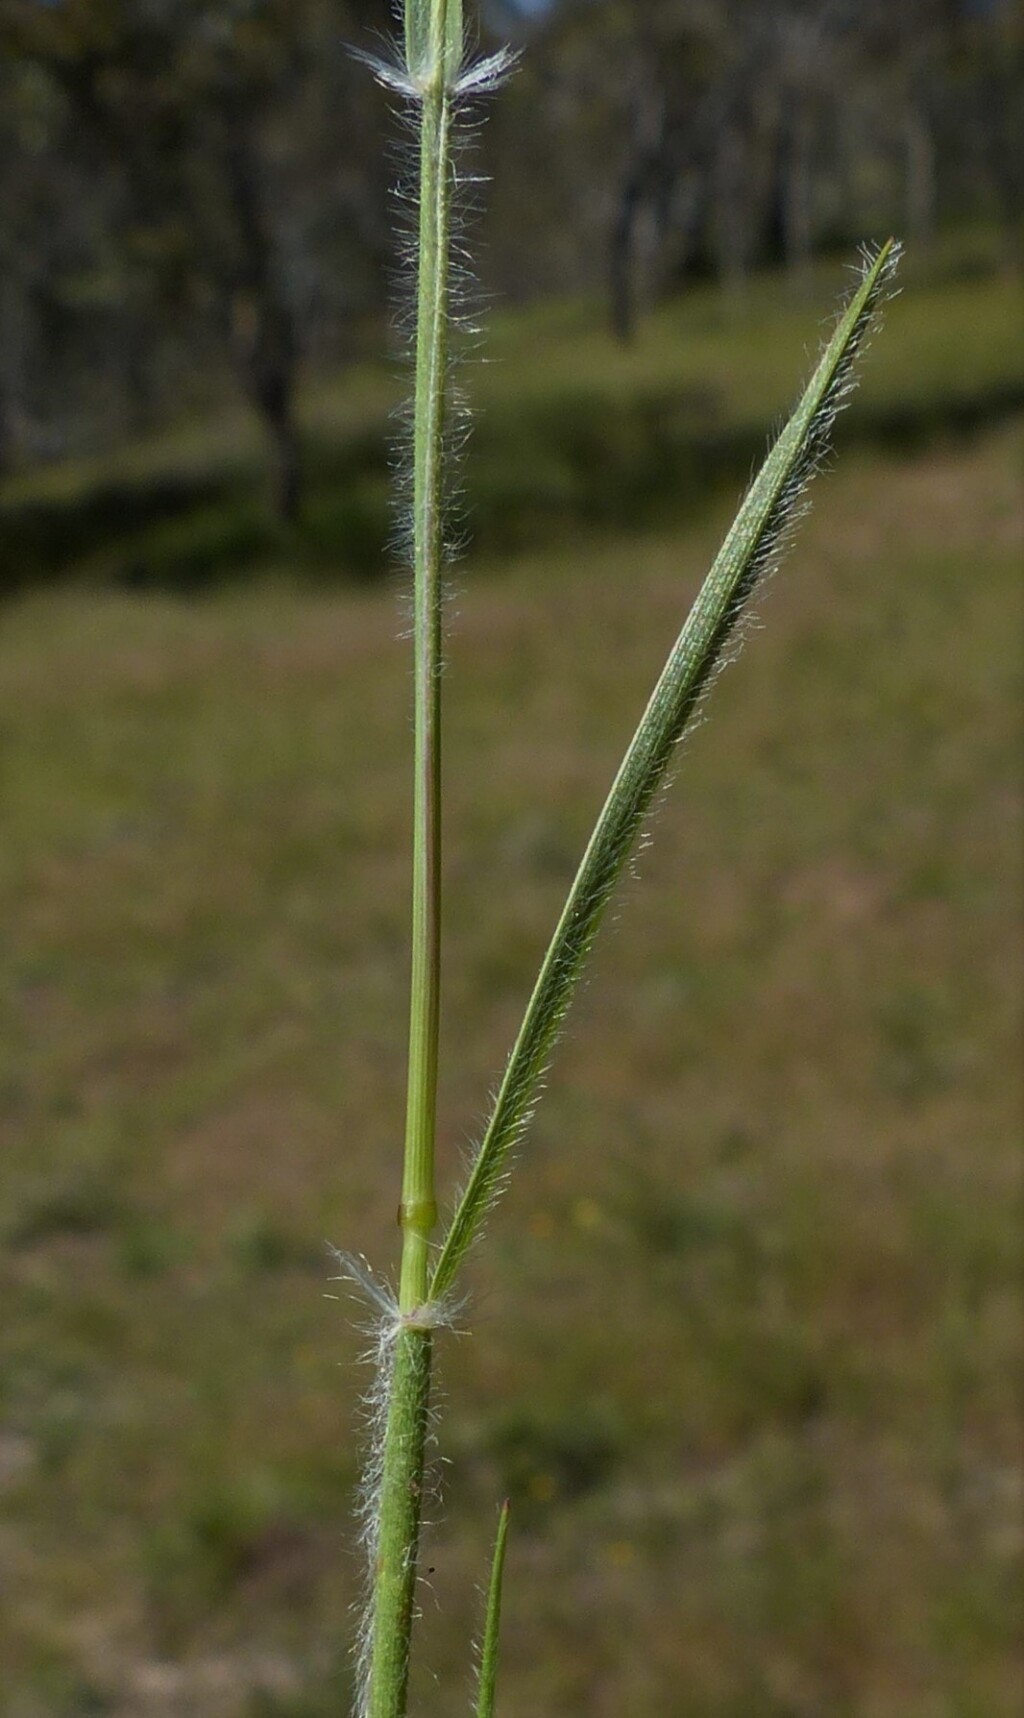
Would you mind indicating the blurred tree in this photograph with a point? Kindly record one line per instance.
(52, 213)
(244, 145)
(993, 85)
(733, 133)
(192, 187)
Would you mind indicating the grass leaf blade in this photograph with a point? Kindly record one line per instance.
(492, 1624)
(751, 549)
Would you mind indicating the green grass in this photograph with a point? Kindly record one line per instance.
(573, 431)
(766, 1464)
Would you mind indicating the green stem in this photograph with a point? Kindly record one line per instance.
(418, 1214)
(398, 1526)
(433, 57)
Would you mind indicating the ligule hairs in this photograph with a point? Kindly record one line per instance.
(474, 77)
(384, 1325)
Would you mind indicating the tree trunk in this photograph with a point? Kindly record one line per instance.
(623, 296)
(920, 173)
(798, 194)
(263, 327)
(279, 417)
(646, 192)
(12, 365)
(271, 385)
(6, 434)
(729, 213)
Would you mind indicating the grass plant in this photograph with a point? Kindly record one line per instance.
(434, 78)
(791, 1091)
(793, 1097)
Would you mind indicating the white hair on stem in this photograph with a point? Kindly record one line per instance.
(435, 81)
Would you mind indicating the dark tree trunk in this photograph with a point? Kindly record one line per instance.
(798, 193)
(263, 326)
(646, 189)
(276, 404)
(6, 435)
(920, 173)
(12, 366)
(264, 342)
(623, 303)
(730, 217)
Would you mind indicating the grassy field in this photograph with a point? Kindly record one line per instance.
(747, 1337)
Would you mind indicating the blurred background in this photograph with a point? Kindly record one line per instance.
(747, 1333)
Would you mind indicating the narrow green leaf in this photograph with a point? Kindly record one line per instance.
(750, 551)
(492, 1624)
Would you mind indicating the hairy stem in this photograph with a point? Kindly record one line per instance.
(397, 1532)
(433, 38)
(418, 1210)
(432, 78)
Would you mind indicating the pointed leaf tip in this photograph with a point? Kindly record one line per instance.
(752, 548)
(492, 1625)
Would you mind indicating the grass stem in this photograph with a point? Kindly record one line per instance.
(418, 1214)
(433, 38)
(433, 53)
